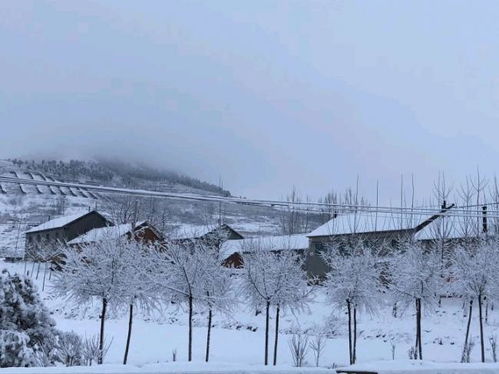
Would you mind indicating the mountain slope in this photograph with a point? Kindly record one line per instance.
(23, 206)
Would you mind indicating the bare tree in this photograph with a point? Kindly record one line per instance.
(291, 218)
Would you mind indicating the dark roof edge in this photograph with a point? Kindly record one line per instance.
(433, 218)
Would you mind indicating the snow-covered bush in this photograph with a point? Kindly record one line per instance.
(28, 333)
(298, 346)
(317, 345)
(92, 351)
(70, 349)
(15, 349)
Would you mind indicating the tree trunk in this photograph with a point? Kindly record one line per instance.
(420, 335)
(129, 335)
(44, 276)
(38, 270)
(208, 336)
(267, 310)
(486, 310)
(354, 350)
(482, 344)
(190, 329)
(349, 308)
(276, 334)
(101, 337)
(418, 341)
(467, 331)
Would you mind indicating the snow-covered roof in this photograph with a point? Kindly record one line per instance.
(266, 243)
(58, 222)
(365, 222)
(186, 231)
(104, 233)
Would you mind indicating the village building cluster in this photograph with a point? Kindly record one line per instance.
(377, 229)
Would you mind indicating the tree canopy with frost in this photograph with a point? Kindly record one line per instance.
(415, 278)
(217, 286)
(354, 281)
(95, 270)
(474, 273)
(274, 278)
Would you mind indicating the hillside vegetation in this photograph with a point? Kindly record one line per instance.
(116, 173)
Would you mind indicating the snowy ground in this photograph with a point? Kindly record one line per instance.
(238, 339)
(178, 368)
(422, 367)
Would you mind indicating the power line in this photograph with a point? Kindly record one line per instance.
(310, 207)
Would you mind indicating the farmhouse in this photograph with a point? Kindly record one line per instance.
(142, 231)
(383, 230)
(233, 251)
(52, 233)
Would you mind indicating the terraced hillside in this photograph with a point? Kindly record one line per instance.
(23, 206)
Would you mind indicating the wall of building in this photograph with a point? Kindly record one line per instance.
(318, 246)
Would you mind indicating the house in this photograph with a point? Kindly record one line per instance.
(384, 230)
(233, 251)
(213, 235)
(142, 231)
(62, 230)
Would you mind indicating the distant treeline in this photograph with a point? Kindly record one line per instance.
(111, 172)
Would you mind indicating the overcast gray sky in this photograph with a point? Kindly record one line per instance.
(267, 94)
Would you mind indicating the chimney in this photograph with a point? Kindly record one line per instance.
(485, 226)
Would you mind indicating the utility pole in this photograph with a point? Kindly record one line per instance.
(220, 212)
(485, 226)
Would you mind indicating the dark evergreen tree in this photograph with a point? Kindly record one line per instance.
(28, 334)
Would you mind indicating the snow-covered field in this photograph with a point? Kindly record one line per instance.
(238, 339)
(179, 368)
(422, 367)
